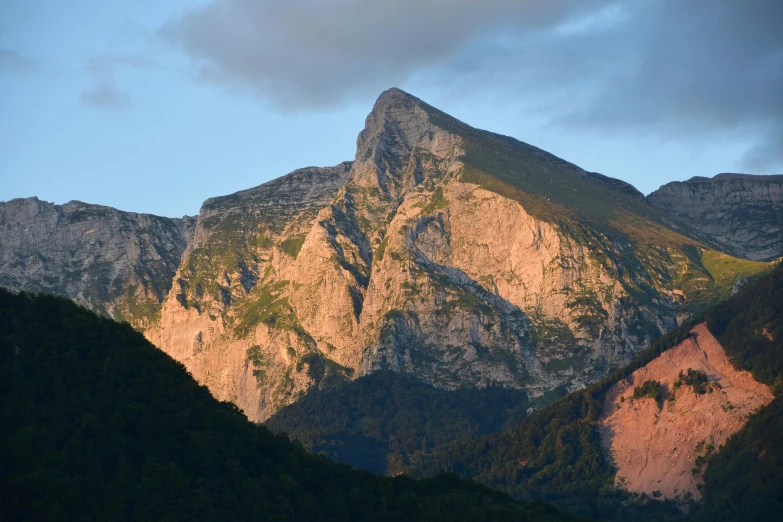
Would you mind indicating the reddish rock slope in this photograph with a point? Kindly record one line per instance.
(655, 445)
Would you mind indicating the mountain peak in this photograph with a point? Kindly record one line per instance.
(398, 124)
(395, 96)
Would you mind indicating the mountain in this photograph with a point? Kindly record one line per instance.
(453, 255)
(118, 263)
(231, 307)
(694, 421)
(100, 425)
(743, 212)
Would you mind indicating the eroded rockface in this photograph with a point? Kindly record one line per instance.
(743, 212)
(659, 446)
(228, 318)
(117, 263)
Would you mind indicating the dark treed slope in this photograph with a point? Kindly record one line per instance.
(740, 211)
(555, 454)
(99, 425)
(383, 421)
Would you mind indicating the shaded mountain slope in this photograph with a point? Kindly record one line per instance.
(383, 421)
(742, 212)
(117, 263)
(98, 424)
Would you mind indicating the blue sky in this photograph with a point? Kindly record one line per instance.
(155, 106)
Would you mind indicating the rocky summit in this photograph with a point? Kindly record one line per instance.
(117, 263)
(455, 255)
(744, 213)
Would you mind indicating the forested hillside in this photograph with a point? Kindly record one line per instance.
(97, 424)
(385, 421)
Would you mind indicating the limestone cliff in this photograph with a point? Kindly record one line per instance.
(743, 212)
(660, 447)
(118, 263)
(453, 254)
(228, 317)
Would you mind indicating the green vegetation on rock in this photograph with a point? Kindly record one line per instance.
(648, 390)
(696, 379)
(292, 246)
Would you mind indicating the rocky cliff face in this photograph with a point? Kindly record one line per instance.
(118, 263)
(660, 447)
(228, 317)
(743, 212)
(450, 253)
(456, 255)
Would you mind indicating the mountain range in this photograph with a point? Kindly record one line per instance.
(443, 252)
(452, 300)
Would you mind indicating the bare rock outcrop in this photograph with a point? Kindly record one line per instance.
(227, 318)
(743, 212)
(659, 445)
(118, 263)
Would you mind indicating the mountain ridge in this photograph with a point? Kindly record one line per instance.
(740, 211)
(456, 255)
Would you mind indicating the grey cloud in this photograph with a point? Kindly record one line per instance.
(311, 53)
(105, 92)
(767, 154)
(696, 70)
(16, 62)
(704, 67)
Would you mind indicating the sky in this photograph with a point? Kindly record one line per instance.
(152, 106)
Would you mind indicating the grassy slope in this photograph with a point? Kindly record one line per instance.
(602, 213)
(99, 425)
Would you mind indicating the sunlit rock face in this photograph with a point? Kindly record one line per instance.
(657, 445)
(456, 255)
(453, 254)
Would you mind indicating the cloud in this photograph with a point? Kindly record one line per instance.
(689, 69)
(696, 70)
(105, 92)
(16, 62)
(315, 53)
(767, 154)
